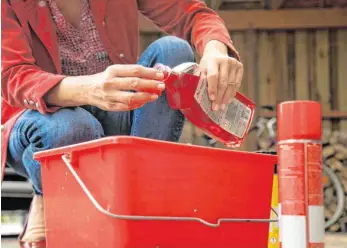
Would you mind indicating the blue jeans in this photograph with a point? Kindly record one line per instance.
(35, 132)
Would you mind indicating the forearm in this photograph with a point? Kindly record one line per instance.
(70, 92)
(190, 20)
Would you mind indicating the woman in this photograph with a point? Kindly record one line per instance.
(70, 74)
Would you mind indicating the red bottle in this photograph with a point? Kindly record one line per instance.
(187, 91)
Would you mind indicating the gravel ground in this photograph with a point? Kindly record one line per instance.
(332, 241)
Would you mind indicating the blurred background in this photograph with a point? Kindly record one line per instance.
(291, 49)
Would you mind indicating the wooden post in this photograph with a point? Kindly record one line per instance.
(276, 4)
(250, 79)
(342, 73)
(323, 72)
(301, 66)
(281, 67)
(266, 65)
(239, 41)
(213, 4)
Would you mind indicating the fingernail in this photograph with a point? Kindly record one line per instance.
(160, 75)
(212, 97)
(223, 106)
(154, 97)
(215, 107)
(161, 86)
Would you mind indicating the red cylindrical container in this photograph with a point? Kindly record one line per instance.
(300, 174)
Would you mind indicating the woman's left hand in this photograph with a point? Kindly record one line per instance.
(224, 74)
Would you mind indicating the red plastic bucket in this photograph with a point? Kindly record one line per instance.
(131, 192)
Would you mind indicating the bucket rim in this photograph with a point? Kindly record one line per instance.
(127, 140)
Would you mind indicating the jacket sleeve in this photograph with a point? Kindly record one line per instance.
(191, 20)
(23, 84)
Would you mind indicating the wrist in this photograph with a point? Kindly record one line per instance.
(90, 89)
(71, 92)
(74, 90)
(215, 46)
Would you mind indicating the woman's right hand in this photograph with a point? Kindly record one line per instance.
(118, 88)
(125, 87)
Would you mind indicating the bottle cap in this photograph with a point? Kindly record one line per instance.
(164, 69)
(299, 120)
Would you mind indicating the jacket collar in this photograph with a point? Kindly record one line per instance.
(98, 9)
(39, 17)
(40, 20)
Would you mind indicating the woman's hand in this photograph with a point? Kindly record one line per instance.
(118, 88)
(125, 87)
(224, 74)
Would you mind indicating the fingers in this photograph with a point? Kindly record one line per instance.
(138, 71)
(110, 106)
(125, 87)
(118, 106)
(232, 88)
(129, 98)
(235, 79)
(124, 101)
(224, 76)
(239, 74)
(212, 79)
(133, 83)
(222, 85)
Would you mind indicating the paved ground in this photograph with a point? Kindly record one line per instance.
(336, 241)
(332, 241)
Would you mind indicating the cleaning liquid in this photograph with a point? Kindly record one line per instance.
(187, 90)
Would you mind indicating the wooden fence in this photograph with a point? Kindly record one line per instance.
(285, 65)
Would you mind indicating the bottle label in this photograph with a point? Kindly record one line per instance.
(294, 190)
(291, 171)
(234, 118)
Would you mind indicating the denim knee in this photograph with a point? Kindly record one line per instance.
(66, 126)
(175, 50)
(168, 50)
(35, 132)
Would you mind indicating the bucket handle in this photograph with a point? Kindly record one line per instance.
(155, 218)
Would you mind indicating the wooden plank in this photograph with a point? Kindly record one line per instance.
(266, 65)
(250, 63)
(323, 72)
(301, 66)
(266, 76)
(291, 64)
(239, 41)
(311, 50)
(273, 19)
(342, 73)
(243, 4)
(281, 67)
(213, 4)
(250, 81)
(276, 4)
(262, 68)
(333, 75)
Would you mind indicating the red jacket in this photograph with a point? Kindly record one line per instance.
(29, 50)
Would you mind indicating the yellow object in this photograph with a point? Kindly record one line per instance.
(274, 227)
